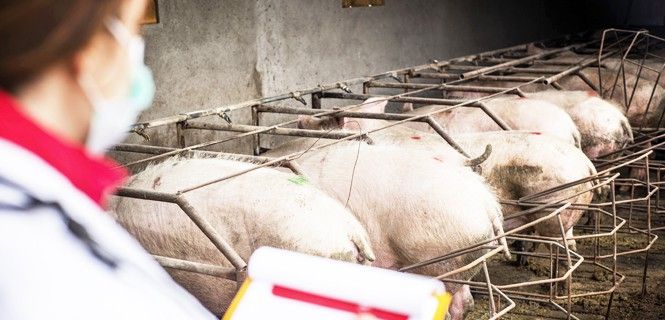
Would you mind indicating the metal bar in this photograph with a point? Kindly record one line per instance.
(212, 234)
(494, 117)
(322, 113)
(316, 100)
(539, 62)
(321, 88)
(200, 222)
(256, 139)
(180, 135)
(581, 65)
(338, 113)
(196, 267)
(489, 289)
(447, 76)
(356, 96)
(442, 132)
(485, 70)
(510, 69)
(442, 87)
(306, 133)
(138, 148)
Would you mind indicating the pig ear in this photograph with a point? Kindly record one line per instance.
(375, 105)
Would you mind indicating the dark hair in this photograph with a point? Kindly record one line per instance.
(36, 34)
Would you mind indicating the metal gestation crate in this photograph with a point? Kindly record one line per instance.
(415, 85)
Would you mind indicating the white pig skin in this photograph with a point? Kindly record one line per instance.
(264, 207)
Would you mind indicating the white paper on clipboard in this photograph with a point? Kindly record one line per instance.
(288, 285)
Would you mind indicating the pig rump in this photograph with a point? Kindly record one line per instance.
(263, 207)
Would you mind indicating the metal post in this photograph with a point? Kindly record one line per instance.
(256, 139)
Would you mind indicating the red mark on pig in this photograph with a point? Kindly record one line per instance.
(592, 93)
(536, 132)
(416, 138)
(156, 183)
(437, 158)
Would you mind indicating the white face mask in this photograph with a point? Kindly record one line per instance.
(111, 118)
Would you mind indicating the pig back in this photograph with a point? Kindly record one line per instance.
(414, 205)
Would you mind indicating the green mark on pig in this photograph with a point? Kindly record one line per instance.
(299, 180)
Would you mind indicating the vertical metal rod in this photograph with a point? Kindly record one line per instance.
(644, 117)
(570, 265)
(552, 274)
(648, 235)
(639, 73)
(631, 205)
(407, 79)
(256, 139)
(600, 66)
(556, 271)
(596, 240)
(614, 220)
(489, 289)
(614, 249)
(608, 312)
(565, 240)
(316, 100)
(569, 284)
(180, 134)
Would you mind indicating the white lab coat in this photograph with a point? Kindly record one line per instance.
(48, 273)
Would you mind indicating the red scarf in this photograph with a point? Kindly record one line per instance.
(95, 176)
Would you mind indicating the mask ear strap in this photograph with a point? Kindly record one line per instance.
(118, 30)
(90, 90)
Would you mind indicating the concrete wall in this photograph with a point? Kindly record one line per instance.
(206, 53)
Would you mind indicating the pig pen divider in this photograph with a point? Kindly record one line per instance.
(237, 273)
(183, 123)
(315, 93)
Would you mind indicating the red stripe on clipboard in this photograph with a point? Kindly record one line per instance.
(333, 303)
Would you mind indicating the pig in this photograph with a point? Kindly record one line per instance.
(650, 68)
(520, 164)
(412, 202)
(603, 126)
(264, 207)
(525, 163)
(517, 113)
(642, 110)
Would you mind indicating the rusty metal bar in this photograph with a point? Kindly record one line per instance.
(321, 88)
(197, 267)
(356, 96)
(446, 76)
(510, 69)
(305, 133)
(580, 65)
(139, 148)
(338, 113)
(475, 73)
(200, 222)
(442, 87)
(442, 132)
(494, 117)
(256, 139)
